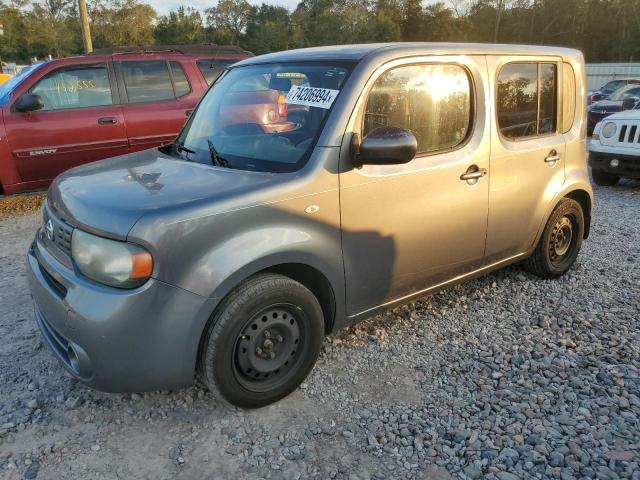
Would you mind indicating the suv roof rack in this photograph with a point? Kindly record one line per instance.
(194, 49)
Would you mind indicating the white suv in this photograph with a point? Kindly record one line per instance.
(614, 149)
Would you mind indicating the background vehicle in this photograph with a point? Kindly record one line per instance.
(62, 113)
(4, 77)
(229, 253)
(608, 88)
(614, 103)
(614, 148)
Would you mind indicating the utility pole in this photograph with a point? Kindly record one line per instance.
(1, 35)
(84, 23)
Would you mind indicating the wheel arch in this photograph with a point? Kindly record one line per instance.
(309, 275)
(584, 199)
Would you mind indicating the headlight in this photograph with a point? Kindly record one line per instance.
(114, 263)
(608, 129)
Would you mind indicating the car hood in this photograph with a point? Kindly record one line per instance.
(625, 115)
(606, 105)
(108, 197)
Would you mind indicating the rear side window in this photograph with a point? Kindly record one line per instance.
(180, 81)
(527, 99)
(212, 69)
(150, 81)
(432, 101)
(568, 97)
(78, 87)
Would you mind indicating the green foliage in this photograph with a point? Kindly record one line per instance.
(605, 30)
(179, 27)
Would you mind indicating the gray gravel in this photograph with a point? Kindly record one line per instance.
(505, 377)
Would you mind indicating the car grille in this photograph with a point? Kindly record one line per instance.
(57, 232)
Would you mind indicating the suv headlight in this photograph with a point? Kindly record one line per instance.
(608, 129)
(114, 263)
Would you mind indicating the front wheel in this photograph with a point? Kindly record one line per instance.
(560, 243)
(262, 342)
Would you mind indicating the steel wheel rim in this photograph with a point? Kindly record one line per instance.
(268, 347)
(562, 239)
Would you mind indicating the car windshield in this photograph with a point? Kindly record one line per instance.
(262, 117)
(626, 92)
(7, 87)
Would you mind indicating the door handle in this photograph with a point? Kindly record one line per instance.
(553, 157)
(188, 113)
(107, 121)
(473, 174)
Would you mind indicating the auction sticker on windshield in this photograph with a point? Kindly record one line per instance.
(311, 96)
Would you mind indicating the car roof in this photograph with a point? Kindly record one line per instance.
(355, 53)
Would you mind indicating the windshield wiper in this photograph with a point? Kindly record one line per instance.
(180, 148)
(216, 159)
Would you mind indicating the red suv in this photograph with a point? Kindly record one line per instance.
(62, 113)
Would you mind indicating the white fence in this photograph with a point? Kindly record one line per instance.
(600, 73)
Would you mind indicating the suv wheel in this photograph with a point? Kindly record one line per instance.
(560, 243)
(604, 179)
(262, 342)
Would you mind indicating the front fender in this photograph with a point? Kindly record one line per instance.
(211, 255)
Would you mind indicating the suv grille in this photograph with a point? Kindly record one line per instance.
(629, 134)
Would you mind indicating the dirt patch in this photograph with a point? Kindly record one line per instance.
(20, 204)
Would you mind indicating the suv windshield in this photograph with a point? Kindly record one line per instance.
(262, 117)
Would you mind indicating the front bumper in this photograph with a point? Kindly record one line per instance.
(628, 165)
(116, 340)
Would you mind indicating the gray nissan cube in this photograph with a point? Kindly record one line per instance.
(308, 190)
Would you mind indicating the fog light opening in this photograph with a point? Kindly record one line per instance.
(614, 163)
(73, 359)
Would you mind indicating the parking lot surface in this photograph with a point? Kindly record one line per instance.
(504, 377)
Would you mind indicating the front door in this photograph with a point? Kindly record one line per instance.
(79, 123)
(409, 227)
(527, 152)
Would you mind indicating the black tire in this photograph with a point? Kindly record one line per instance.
(604, 179)
(560, 243)
(262, 341)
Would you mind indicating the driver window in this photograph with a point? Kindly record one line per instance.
(432, 101)
(86, 86)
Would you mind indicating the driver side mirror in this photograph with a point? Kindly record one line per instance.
(29, 103)
(629, 103)
(387, 146)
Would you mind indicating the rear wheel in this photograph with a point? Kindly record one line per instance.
(262, 342)
(560, 243)
(604, 179)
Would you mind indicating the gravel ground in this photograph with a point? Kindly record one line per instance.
(504, 377)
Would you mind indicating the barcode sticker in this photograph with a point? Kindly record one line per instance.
(311, 97)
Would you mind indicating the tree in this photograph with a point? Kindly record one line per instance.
(121, 23)
(182, 26)
(228, 20)
(268, 29)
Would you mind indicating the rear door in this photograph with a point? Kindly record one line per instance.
(158, 100)
(81, 122)
(527, 151)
